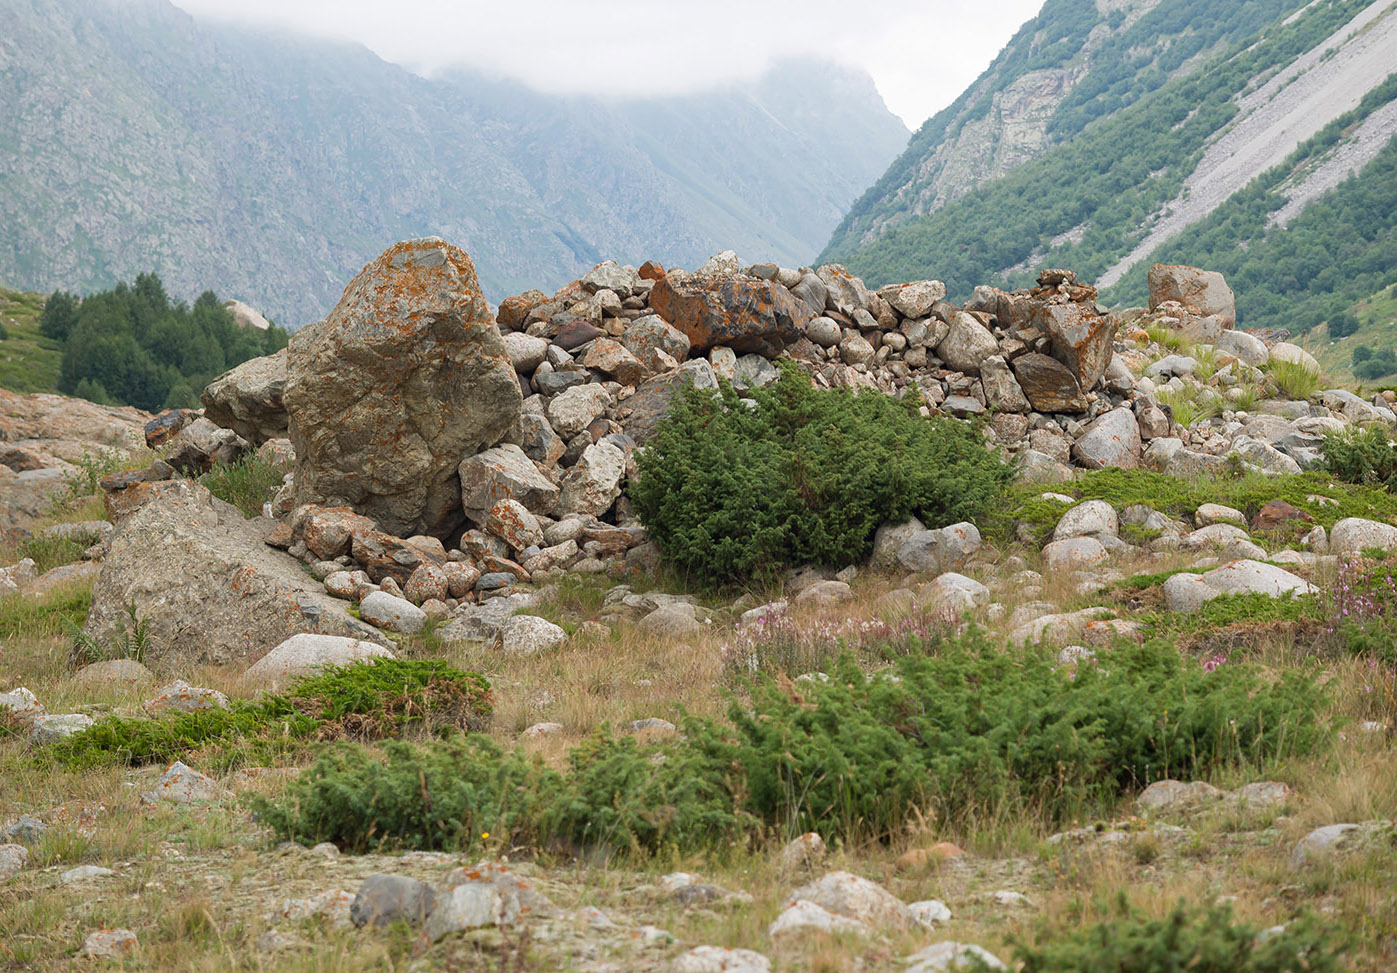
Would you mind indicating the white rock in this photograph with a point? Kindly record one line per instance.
(803, 917)
(1320, 842)
(526, 352)
(396, 614)
(1247, 348)
(825, 593)
(572, 411)
(950, 956)
(308, 653)
(13, 858)
(58, 726)
(470, 906)
(21, 704)
(542, 729)
(804, 850)
(1074, 554)
(1216, 513)
(1284, 351)
(857, 898)
(1352, 534)
(529, 634)
(929, 912)
(109, 942)
(1090, 519)
(1187, 592)
(82, 873)
(721, 959)
(180, 697)
(181, 784)
(953, 593)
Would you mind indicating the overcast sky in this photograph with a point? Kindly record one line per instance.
(921, 53)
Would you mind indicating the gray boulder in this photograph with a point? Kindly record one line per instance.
(383, 899)
(1112, 439)
(406, 377)
(207, 586)
(966, 345)
(248, 399)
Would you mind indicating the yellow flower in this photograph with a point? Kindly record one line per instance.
(485, 834)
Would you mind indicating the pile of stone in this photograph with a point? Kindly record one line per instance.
(440, 455)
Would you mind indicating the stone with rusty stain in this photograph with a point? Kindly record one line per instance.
(1049, 385)
(1278, 512)
(511, 522)
(747, 314)
(1081, 339)
(614, 359)
(405, 377)
(163, 427)
(1205, 291)
(328, 532)
(503, 472)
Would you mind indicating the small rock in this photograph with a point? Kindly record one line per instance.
(1075, 554)
(82, 873)
(393, 613)
(721, 959)
(13, 858)
(542, 729)
(858, 898)
(805, 850)
(802, 917)
(1173, 794)
(390, 898)
(307, 653)
(181, 784)
(109, 942)
(929, 912)
(58, 726)
(180, 697)
(470, 906)
(25, 831)
(651, 724)
(950, 956)
(529, 634)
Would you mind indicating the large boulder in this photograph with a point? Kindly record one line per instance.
(207, 586)
(1113, 439)
(248, 399)
(1081, 339)
(1205, 291)
(407, 377)
(748, 314)
(967, 344)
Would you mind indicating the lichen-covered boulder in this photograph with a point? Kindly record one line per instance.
(747, 314)
(248, 399)
(407, 377)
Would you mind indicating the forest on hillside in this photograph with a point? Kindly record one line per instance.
(134, 345)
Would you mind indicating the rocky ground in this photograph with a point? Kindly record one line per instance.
(1163, 494)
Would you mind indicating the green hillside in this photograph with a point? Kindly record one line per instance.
(29, 362)
(1125, 142)
(1376, 335)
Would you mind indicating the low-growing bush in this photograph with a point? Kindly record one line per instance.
(976, 729)
(968, 731)
(1362, 455)
(1179, 497)
(1193, 940)
(733, 492)
(246, 484)
(362, 701)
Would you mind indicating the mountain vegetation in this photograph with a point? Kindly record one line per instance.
(137, 138)
(1122, 141)
(133, 345)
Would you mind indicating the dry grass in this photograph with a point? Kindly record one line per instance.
(196, 883)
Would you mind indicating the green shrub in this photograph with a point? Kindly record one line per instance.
(1179, 497)
(978, 729)
(246, 484)
(1194, 940)
(84, 480)
(391, 697)
(968, 731)
(1361, 455)
(361, 701)
(805, 476)
(448, 795)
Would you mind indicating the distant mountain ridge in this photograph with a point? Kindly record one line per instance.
(1254, 137)
(272, 168)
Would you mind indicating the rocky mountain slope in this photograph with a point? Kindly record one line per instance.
(1109, 136)
(136, 138)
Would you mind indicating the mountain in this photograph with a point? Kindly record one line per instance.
(1255, 137)
(272, 168)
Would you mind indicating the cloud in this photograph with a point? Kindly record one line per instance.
(920, 54)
